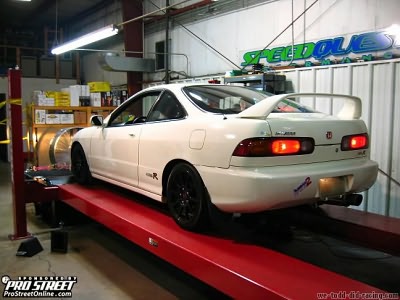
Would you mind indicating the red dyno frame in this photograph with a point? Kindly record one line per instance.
(240, 270)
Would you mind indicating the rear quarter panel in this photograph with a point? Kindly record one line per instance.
(207, 141)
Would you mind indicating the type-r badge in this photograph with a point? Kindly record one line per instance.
(152, 175)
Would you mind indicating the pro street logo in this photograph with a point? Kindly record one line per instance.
(38, 286)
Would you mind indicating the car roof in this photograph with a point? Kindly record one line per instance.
(176, 88)
(179, 86)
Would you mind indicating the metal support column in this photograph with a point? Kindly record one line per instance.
(17, 155)
(166, 50)
(133, 38)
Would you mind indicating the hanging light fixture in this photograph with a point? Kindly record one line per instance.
(86, 39)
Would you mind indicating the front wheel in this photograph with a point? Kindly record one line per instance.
(187, 198)
(79, 165)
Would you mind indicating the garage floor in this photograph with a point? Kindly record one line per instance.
(106, 265)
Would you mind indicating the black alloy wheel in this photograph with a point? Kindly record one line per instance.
(187, 198)
(79, 165)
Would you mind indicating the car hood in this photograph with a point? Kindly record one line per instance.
(351, 108)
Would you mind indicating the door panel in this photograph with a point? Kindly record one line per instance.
(115, 153)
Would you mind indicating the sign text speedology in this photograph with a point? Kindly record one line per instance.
(359, 44)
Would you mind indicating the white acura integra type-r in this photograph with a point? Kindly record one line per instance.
(198, 147)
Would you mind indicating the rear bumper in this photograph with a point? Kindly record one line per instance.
(239, 189)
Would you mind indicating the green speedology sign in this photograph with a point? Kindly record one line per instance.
(323, 50)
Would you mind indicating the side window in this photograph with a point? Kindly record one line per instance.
(166, 108)
(134, 110)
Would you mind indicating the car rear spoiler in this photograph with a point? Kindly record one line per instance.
(351, 108)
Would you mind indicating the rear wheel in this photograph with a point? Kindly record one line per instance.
(187, 198)
(79, 165)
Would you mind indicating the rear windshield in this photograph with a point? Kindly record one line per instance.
(229, 99)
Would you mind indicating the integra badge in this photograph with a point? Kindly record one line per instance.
(285, 133)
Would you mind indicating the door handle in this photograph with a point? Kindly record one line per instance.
(132, 134)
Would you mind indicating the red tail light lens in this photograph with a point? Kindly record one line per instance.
(355, 142)
(285, 147)
(358, 142)
(259, 147)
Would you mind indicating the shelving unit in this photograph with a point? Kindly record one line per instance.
(43, 129)
(88, 111)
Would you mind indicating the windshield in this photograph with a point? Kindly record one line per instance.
(229, 99)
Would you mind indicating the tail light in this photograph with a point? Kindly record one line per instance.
(259, 147)
(354, 142)
(285, 146)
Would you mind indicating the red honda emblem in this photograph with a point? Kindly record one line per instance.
(329, 135)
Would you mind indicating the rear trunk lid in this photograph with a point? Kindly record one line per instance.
(326, 131)
(327, 134)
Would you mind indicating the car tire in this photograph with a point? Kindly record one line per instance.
(187, 198)
(79, 166)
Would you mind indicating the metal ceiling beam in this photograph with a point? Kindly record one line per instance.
(33, 17)
(133, 40)
(182, 10)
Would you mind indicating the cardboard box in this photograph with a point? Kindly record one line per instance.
(75, 92)
(62, 99)
(85, 90)
(52, 119)
(36, 95)
(95, 99)
(79, 117)
(40, 116)
(40, 99)
(67, 118)
(99, 86)
(49, 102)
(84, 101)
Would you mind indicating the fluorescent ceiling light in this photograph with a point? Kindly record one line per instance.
(89, 38)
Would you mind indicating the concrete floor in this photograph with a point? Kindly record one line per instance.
(106, 265)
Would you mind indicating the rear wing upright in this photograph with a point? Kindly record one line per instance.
(351, 108)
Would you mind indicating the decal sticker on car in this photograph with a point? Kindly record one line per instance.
(152, 175)
(302, 186)
(361, 153)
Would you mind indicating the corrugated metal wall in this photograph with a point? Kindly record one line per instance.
(378, 85)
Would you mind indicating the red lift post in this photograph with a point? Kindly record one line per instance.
(17, 154)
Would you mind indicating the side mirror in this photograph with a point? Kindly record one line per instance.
(96, 120)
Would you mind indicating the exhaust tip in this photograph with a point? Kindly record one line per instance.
(354, 199)
(347, 200)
